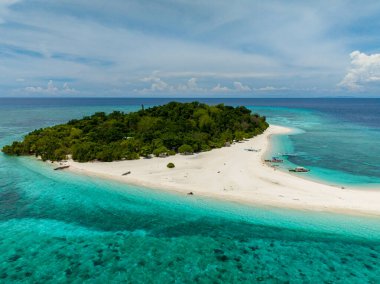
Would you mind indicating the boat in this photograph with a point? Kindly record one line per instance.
(274, 160)
(61, 168)
(252, 150)
(299, 170)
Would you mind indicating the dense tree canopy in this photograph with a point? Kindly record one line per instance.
(161, 130)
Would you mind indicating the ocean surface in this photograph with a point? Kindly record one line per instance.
(58, 227)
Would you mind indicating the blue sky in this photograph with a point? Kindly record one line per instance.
(246, 48)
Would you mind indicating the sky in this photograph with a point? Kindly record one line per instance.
(183, 48)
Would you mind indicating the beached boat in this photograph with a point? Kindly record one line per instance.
(299, 170)
(252, 150)
(274, 160)
(61, 168)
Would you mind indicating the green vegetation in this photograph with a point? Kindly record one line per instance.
(170, 165)
(161, 131)
(185, 149)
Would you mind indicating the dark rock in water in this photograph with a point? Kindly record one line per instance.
(223, 257)
(86, 276)
(3, 275)
(237, 258)
(222, 270)
(219, 251)
(190, 193)
(13, 258)
(245, 251)
(97, 262)
(68, 271)
(253, 248)
(60, 238)
(373, 255)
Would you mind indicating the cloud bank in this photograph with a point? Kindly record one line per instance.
(244, 47)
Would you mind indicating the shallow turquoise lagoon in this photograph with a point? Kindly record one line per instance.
(340, 153)
(58, 227)
(61, 227)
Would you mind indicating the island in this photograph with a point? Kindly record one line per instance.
(191, 149)
(160, 131)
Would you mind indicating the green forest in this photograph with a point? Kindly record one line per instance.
(161, 130)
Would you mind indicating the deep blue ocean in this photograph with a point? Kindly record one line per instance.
(58, 227)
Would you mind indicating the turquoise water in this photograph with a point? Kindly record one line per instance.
(337, 152)
(57, 227)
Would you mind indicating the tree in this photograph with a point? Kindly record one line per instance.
(239, 135)
(162, 150)
(145, 151)
(180, 127)
(186, 149)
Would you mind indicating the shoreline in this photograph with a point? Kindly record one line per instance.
(236, 175)
(295, 131)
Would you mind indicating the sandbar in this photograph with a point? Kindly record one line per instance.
(235, 174)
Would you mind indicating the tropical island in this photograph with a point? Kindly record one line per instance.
(237, 173)
(160, 131)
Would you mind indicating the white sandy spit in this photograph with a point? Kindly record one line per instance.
(232, 173)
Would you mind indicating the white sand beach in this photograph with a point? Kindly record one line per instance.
(232, 173)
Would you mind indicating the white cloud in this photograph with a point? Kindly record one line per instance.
(365, 69)
(157, 84)
(271, 88)
(31, 89)
(190, 86)
(68, 89)
(50, 89)
(220, 89)
(241, 88)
